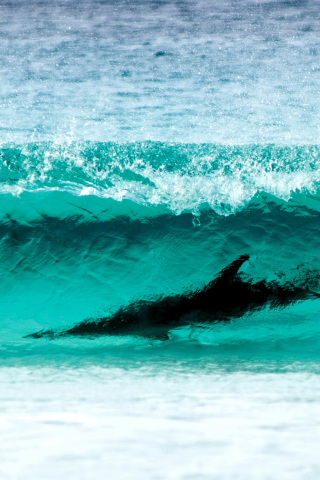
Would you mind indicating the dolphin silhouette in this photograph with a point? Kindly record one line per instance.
(229, 295)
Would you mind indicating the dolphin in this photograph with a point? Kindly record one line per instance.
(229, 295)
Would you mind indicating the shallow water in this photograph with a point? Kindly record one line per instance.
(155, 420)
(144, 146)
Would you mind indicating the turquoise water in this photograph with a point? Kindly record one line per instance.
(89, 227)
(144, 146)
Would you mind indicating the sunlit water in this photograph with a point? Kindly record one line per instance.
(144, 146)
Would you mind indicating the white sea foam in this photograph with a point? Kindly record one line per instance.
(158, 421)
(180, 177)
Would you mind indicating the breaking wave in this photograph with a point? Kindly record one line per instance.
(87, 229)
(178, 176)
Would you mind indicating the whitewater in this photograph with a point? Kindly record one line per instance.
(144, 147)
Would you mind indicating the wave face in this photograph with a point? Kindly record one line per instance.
(88, 228)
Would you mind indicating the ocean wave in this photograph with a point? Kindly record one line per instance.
(65, 259)
(180, 177)
(87, 229)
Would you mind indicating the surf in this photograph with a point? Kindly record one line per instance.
(89, 229)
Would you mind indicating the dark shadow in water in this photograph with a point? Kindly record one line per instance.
(229, 295)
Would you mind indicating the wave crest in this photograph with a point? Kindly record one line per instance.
(182, 177)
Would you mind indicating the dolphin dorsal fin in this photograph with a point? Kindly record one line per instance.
(234, 267)
(228, 272)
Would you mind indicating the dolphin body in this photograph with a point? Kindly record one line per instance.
(229, 295)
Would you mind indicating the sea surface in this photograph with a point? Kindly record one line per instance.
(144, 146)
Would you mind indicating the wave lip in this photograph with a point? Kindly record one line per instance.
(179, 176)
